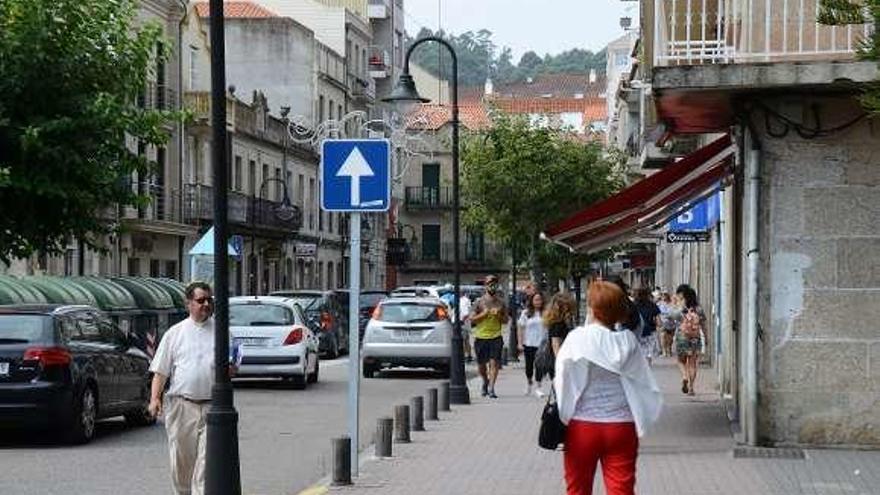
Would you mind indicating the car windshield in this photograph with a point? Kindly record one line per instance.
(307, 303)
(409, 313)
(253, 315)
(371, 300)
(23, 329)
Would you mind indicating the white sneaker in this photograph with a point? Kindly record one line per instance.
(528, 389)
(540, 393)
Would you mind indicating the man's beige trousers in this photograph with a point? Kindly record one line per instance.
(185, 423)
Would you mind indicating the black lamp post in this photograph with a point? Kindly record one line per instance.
(222, 469)
(405, 92)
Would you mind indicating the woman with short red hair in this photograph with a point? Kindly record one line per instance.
(606, 395)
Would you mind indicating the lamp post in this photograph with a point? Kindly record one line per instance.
(405, 93)
(222, 468)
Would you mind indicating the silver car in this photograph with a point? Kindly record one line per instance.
(273, 339)
(408, 331)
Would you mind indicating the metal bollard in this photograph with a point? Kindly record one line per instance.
(417, 408)
(401, 424)
(431, 412)
(384, 431)
(342, 461)
(444, 397)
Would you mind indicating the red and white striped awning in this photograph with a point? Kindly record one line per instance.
(647, 204)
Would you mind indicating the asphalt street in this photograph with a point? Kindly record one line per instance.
(284, 440)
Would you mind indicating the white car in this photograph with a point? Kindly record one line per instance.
(273, 339)
(416, 291)
(408, 331)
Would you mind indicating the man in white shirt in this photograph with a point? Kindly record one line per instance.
(186, 356)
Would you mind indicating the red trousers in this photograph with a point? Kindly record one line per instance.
(615, 445)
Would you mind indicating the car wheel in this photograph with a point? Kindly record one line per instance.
(297, 382)
(85, 414)
(313, 377)
(369, 371)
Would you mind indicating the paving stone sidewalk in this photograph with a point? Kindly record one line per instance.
(489, 447)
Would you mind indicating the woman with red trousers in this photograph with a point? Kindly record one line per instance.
(607, 397)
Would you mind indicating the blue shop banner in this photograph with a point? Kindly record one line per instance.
(701, 216)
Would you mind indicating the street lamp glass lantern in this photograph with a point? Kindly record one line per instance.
(405, 96)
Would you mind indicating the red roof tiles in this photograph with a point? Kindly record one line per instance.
(237, 10)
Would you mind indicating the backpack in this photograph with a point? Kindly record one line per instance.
(691, 326)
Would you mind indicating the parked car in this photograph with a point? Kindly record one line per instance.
(67, 366)
(274, 339)
(326, 315)
(367, 302)
(408, 331)
(416, 291)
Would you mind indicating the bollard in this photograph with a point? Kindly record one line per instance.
(384, 430)
(431, 412)
(417, 407)
(401, 424)
(444, 397)
(342, 461)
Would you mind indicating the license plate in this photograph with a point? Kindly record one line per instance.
(253, 341)
(408, 335)
(4, 369)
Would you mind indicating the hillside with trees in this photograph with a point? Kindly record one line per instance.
(479, 58)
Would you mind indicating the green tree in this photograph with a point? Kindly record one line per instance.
(843, 12)
(71, 72)
(475, 53)
(517, 178)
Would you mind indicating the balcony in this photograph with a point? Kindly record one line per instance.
(379, 63)
(244, 211)
(163, 205)
(694, 32)
(362, 89)
(157, 97)
(428, 198)
(472, 256)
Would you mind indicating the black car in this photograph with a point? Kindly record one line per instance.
(327, 312)
(65, 367)
(367, 302)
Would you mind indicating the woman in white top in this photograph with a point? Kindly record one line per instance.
(531, 333)
(606, 395)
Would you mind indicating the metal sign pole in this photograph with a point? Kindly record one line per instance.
(354, 360)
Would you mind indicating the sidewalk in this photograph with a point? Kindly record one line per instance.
(490, 447)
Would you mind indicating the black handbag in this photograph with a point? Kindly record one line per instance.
(552, 431)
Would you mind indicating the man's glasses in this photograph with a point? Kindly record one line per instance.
(204, 300)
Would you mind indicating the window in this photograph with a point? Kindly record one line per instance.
(331, 281)
(330, 110)
(339, 114)
(193, 67)
(236, 175)
(330, 222)
(154, 268)
(430, 242)
(363, 66)
(312, 204)
(170, 269)
(321, 274)
(279, 185)
(321, 109)
(263, 178)
(134, 266)
(252, 177)
(301, 193)
(320, 213)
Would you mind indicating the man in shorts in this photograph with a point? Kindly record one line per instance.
(488, 316)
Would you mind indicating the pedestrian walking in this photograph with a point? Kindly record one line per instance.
(488, 315)
(186, 357)
(650, 314)
(531, 333)
(606, 395)
(633, 320)
(670, 315)
(689, 337)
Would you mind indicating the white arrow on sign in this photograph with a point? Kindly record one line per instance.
(355, 166)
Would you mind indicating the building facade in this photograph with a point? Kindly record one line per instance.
(759, 103)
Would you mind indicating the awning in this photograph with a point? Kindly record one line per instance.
(647, 204)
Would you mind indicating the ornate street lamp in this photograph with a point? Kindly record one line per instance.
(405, 94)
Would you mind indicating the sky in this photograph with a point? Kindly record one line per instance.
(545, 26)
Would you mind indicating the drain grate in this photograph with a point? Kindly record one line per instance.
(767, 453)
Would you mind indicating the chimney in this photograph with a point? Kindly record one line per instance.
(592, 76)
(488, 88)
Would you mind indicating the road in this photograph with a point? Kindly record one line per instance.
(284, 440)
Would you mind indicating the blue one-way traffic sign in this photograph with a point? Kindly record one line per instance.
(355, 175)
